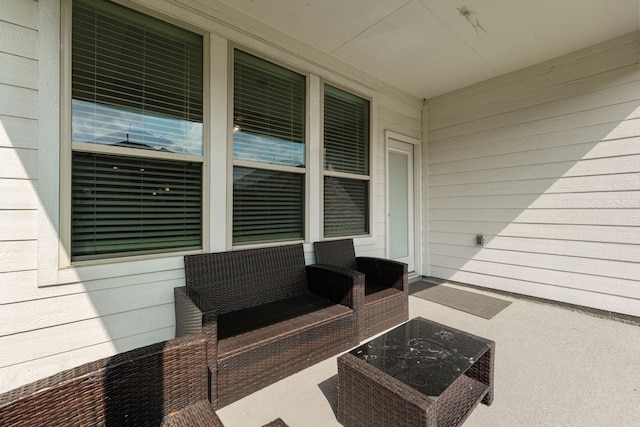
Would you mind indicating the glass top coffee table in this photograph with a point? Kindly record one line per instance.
(420, 373)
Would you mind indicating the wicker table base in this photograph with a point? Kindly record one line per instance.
(419, 374)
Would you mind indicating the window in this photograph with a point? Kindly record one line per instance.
(269, 151)
(346, 163)
(137, 133)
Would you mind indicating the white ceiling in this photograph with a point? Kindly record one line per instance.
(430, 47)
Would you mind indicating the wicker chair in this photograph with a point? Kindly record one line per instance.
(163, 384)
(386, 285)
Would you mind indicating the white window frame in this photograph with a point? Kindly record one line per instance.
(306, 171)
(54, 265)
(369, 178)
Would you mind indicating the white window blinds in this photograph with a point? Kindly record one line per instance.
(269, 151)
(346, 163)
(136, 80)
(137, 83)
(121, 205)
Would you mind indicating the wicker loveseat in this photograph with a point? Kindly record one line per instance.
(265, 315)
(163, 384)
(386, 301)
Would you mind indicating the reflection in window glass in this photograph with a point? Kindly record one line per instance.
(263, 149)
(269, 110)
(136, 81)
(101, 124)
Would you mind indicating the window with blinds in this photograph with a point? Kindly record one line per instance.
(125, 204)
(269, 151)
(346, 163)
(137, 133)
(267, 205)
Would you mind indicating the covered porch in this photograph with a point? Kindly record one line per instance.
(523, 123)
(555, 366)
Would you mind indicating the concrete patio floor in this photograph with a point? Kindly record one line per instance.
(554, 367)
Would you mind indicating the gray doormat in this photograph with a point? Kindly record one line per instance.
(469, 302)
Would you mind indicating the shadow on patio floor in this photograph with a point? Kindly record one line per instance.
(554, 367)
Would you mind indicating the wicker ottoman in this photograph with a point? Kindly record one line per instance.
(421, 373)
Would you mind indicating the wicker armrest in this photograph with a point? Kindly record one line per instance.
(385, 272)
(151, 385)
(340, 285)
(193, 313)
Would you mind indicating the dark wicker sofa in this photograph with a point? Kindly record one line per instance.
(266, 315)
(386, 301)
(163, 384)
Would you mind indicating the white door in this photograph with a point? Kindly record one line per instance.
(401, 236)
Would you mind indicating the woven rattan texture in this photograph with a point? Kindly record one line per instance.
(142, 387)
(273, 318)
(197, 414)
(275, 357)
(340, 253)
(230, 278)
(386, 285)
(369, 397)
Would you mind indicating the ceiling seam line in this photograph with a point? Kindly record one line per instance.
(371, 26)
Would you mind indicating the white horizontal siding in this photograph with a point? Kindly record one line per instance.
(545, 162)
(18, 225)
(507, 91)
(20, 12)
(18, 132)
(18, 140)
(588, 184)
(37, 314)
(28, 370)
(18, 102)
(44, 342)
(18, 255)
(18, 194)
(19, 163)
(23, 293)
(18, 71)
(568, 113)
(18, 40)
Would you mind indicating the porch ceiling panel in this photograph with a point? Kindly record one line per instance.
(430, 47)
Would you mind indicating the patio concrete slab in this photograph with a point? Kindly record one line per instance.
(553, 367)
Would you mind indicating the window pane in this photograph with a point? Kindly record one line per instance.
(122, 204)
(346, 207)
(267, 205)
(346, 132)
(137, 81)
(269, 112)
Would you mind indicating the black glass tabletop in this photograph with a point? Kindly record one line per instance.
(424, 355)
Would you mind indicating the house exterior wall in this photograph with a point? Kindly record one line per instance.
(545, 163)
(18, 134)
(53, 318)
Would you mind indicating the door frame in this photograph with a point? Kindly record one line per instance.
(417, 195)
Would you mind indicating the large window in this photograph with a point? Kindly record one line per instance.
(269, 151)
(346, 163)
(137, 133)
